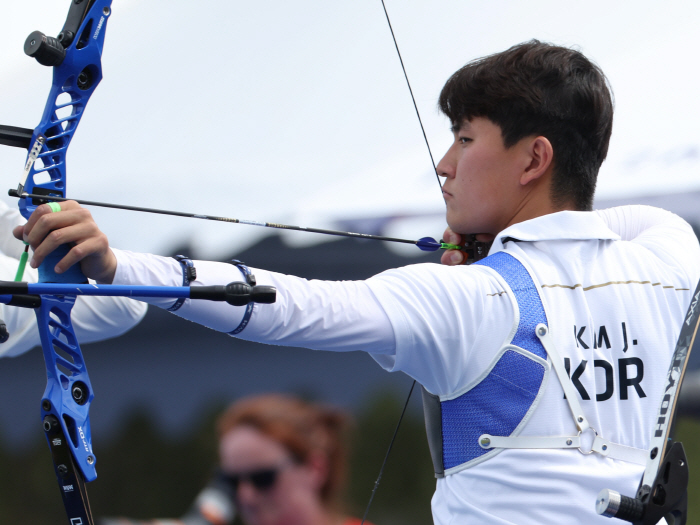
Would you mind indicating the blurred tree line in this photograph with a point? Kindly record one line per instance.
(144, 474)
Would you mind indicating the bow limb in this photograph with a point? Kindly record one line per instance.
(76, 60)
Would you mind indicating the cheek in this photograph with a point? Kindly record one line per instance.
(485, 177)
(297, 487)
(481, 165)
(297, 480)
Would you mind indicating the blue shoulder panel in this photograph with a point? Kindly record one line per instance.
(498, 404)
(527, 297)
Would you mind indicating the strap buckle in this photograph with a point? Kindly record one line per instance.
(595, 435)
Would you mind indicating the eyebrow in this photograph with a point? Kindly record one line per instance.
(456, 128)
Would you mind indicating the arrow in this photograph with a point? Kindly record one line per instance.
(427, 244)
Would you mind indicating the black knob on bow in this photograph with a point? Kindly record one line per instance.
(47, 50)
(236, 293)
(4, 334)
(239, 294)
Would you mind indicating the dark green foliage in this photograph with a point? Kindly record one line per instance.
(687, 432)
(28, 490)
(143, 474)
(408, 482)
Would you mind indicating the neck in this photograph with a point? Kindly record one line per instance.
(536, 201)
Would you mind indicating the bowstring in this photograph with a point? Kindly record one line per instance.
(410, 90)
(388, 451)
(432, 161)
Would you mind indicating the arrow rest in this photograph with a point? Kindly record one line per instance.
(476, 250)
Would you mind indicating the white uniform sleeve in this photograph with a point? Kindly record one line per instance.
(322, 315)
(94, 318)
(666, 236)
(437, 313)
(9, 219)
(417, 319)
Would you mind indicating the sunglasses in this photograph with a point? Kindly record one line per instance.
(262, 479)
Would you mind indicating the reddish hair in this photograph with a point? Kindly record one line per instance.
(302, 428)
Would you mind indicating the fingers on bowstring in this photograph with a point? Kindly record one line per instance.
(453, 258)
(451, 237)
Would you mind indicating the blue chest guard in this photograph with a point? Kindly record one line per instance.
(500, 402)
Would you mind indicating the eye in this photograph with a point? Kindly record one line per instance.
(464, 140)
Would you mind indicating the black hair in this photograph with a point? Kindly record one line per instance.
(536, 88)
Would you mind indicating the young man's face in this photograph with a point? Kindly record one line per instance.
(482, 190)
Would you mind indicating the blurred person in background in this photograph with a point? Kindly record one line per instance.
(94, 318)
(282, 461)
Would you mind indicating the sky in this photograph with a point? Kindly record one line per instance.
(298, 112)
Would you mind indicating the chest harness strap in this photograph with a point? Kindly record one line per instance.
(601, 446)
(461, 427)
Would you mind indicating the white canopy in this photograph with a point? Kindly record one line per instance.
(298, 111)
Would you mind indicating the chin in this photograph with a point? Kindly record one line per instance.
(462, 229)
(471, 225)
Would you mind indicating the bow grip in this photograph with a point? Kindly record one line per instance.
(46, 269)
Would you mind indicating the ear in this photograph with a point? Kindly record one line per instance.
(541, 156)
(317, 465)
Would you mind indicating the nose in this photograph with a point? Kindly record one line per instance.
(446, 166)
(246, 493)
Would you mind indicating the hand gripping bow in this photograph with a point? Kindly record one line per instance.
(75, 56)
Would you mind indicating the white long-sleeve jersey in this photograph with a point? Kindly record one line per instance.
(615, 285)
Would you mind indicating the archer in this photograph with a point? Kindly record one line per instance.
(534, 401)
